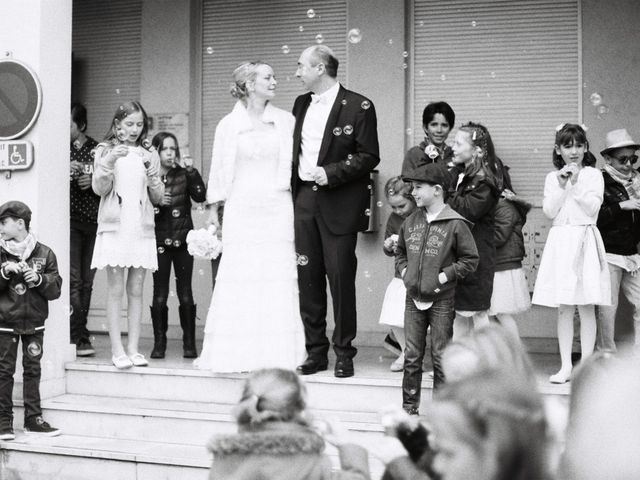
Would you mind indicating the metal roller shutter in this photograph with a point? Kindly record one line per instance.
(514, 66)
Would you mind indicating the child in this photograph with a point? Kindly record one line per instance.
(173, 222)
(126, 177)
(510, 290)
(29, 279)
(398, 193)
(275, 438)
(435, 250)
(84, 214)
(573, 269)
(475, 198)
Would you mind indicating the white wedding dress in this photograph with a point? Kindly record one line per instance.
(254, 318)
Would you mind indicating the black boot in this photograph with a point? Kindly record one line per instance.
(159, 320)
(188, 324)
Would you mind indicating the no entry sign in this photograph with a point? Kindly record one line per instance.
(20, 98)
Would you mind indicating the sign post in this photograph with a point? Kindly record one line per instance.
(20, 98)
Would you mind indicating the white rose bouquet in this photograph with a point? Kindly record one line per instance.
(431, 151)
(204, 243)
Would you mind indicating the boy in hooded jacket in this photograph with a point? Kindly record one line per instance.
(435, 250)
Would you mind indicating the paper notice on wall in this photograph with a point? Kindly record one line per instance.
(176, 123)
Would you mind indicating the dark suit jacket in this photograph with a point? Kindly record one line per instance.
(348, 157)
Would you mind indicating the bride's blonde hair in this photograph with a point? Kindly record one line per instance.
(246, 72)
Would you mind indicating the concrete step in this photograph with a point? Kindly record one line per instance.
(74, 457)
(168, 421)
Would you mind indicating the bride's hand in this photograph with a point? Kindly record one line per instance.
(213, 215)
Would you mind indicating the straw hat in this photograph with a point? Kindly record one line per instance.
(618, 139)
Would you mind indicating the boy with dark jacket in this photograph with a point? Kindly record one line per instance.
(29, 279)
(435, 250)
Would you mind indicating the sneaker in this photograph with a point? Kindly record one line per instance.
(6, 433)
(84, 348)
(391, 344)
(37, 426)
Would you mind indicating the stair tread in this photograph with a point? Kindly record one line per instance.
(187, 410)
(142, 451)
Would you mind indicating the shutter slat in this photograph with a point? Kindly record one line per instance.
(106, 47)
(532, 49)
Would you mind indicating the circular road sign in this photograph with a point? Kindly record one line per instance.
(20, 98)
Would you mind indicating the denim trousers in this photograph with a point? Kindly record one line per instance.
(31, 356)
(416, 322)
(81, 281)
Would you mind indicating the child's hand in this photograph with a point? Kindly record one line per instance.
(11, 268)
(390, 243)
(114, 154)
(30, 276)
(332, 431)
(76, 168)
(187, 162)
(213, 215)
(442, 277)
(152, 170)
(166, 200)
(84, 181)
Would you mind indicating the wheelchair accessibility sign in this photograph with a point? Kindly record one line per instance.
(16, 155)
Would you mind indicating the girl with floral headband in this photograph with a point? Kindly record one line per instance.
(402, 203)
(573, 269)
(475, 198)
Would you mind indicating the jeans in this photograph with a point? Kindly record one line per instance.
(183, 268)
(606, 320)
(31, 356)
(81, 281)
(416, 322)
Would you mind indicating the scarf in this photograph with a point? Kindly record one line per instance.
(630, 182)
(22, 249)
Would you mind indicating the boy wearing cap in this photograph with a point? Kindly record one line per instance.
(619, 225)
(435, 250)
(29, 279)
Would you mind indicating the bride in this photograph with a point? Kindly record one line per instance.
(254, 318)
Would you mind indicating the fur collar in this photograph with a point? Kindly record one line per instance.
(273, 439)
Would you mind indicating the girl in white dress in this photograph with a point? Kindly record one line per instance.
(573, 270)
(126, 177)
(254, 318)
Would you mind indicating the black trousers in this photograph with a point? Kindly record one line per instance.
(324, 255)
(31, 356)
(80, 281)
(183, 267)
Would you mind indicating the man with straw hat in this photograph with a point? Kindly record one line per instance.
(619, 225)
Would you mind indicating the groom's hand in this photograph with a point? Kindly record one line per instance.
(320, 176)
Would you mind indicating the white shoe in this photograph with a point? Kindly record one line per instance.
(121, 362)
(398, 364)
(138, 360)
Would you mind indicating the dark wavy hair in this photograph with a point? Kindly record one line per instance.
(567, 135)
(442, 108)
(122, 112)
(158, 141)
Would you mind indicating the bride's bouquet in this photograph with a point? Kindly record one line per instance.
(204, 243)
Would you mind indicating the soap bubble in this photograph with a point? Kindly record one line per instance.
(493, 74)
(344, 101)
(595, 99)
(354, 35)
(365, 105)
(379, 204)
(285, 49)
(301, 28)
(201, 272)
(303, 260)
(367, 274)
(172, 293)
(337, 131)
(160, 250)
(443, 77)
(175, 213)
(405, 66)
(117, 91)
(409, 131)
(421, 23)
(348, 129)
(210, 50)
(311, 13)
(602, 109)
(474, 23)
(405, 54)
(421, 73)
(367, 212)
(319, 38)
(391, 41)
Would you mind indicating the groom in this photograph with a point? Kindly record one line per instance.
(335, 146)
